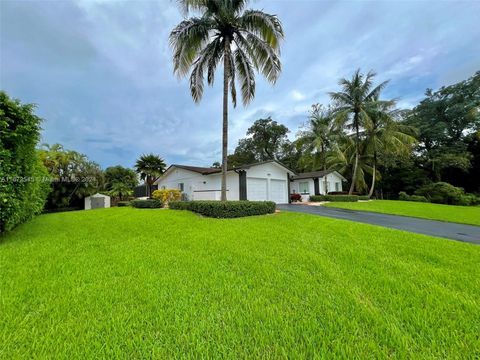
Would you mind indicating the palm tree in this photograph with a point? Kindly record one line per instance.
(119, 190)
(244, 39)
(350, 107)
(316, 143)
(384, 134)
(150, 167)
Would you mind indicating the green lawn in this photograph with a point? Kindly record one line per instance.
(141, 283)
(459, 214)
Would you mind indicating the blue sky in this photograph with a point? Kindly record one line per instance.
(101, 71)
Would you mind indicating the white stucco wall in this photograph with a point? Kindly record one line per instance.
(332, 179)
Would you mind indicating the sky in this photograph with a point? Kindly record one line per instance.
(101, 72)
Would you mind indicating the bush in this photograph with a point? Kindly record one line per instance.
(402, 195)
(363, 197)
(337, 198)
(441, 193)
(123, 203)
(317, 198)
(295, 197)
(146, 204)
(469, 200)
(167, 195)
(226, 209)
(24, 181)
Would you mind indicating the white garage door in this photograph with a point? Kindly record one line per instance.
(278, 191)
(256, 189)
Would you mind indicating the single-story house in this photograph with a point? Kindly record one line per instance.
(316, 183)
(268, 180)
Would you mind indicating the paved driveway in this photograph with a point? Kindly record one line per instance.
(460, 232)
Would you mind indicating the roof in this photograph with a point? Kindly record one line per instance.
(312, 174)
(198, 169)
(211, 170)
(246, 166)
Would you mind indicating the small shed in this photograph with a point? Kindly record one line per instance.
(97, 201)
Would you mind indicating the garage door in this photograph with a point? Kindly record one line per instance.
(256, 189)
(278, 191)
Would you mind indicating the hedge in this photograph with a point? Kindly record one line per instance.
(24, 181)
(339, 198)
(123, 203)
(417, 198)
(226, 209)
(363, 197)
(146, 204)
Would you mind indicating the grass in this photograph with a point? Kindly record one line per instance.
(143, 283)
(452, 213)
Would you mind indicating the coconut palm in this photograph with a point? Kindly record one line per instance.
(246, 40)
(384, 134)
(316, 142)
(350, 108)
(150, 167)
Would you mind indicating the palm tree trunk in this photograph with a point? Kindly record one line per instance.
(226, 71)
(325, 168)
(370, 193)
(355, 166)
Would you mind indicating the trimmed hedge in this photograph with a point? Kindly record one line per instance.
(363, 197)
(146, 204)
(123, 203)
(226, 209)
(338, 198)
(24, 180)
(417, 198)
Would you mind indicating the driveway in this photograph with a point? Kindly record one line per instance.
(460, 232)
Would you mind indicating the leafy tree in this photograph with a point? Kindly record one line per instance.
(444, 119)
(267, 137)
(120, 175)
(150, 167)
(244, 39)
(75, 176)
(244, 153)
(350, 106)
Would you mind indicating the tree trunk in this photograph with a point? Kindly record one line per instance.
(370, 193)
(355, 166)
(226, 72)
(325, 168)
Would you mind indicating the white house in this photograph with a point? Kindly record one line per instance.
(269, 180)
(314, 183)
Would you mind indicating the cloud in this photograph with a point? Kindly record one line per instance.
(101, 71)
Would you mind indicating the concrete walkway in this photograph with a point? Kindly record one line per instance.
(454, 231)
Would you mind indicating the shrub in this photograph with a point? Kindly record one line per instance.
(402, 195)
(123, 203)
(363, 197)
(167, 195)
(337, 198)
(24, 181)
(441, 193)
(146, 204)
(180, 205)
(226, 209)
(295, 197)
(469, 200)
(317, 198)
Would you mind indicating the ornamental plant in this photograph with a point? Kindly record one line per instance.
(167, 195)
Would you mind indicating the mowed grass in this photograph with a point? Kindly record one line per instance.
(141, 283)
(452, 213)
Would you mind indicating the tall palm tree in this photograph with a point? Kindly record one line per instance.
(246, 40)
(150, 167)
(316, 142)
(350, 107)
(384, 134)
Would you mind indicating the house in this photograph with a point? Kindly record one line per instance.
(268, 180)
(314, 183)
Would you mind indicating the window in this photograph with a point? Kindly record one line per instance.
(303, 188)
(180, 187)
(337, 186)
